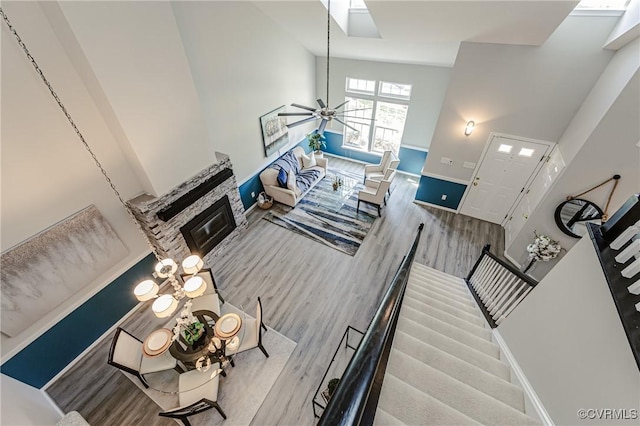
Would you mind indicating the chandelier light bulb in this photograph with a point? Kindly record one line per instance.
(146, 290)
(166, 268)
(194, 287)
(164, 306)
(192, 264)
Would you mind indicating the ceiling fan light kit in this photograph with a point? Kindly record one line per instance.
(324, 113)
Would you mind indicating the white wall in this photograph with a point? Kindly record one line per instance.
(25, 405)
(243, 66)
(569, 341)
(429, 84)
(526, 91)
(136, 53)
(599, 142)
(46, 174)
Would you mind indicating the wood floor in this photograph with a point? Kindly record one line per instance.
(310, 293)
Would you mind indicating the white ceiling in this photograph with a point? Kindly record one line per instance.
(421, 32)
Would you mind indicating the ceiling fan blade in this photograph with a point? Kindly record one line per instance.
(345, 124)
(323, 124)
(342, 104)
(297, 123)
(321, 103)
(291, 114)
(304, 107)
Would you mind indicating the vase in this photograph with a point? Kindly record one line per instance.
(200, 341)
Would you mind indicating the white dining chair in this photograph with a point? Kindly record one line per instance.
(206, 302)
(197, 392)
(251, 332)
(126, 354)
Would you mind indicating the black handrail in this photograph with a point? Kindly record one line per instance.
(350, 399)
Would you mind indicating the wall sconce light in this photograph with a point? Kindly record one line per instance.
(469, 128)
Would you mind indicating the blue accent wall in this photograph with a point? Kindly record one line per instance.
(253, 184)
(430, 190)
(411, 160)
(50, 353)
(334, 147)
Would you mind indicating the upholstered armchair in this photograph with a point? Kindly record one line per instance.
(377, 171)
(375, 195)
(389, 174)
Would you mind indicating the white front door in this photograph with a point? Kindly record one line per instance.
(505, 169)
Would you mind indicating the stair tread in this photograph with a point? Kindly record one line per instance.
(453, 347)
(460, 288)
(460, 370)
(472, 317)
(436, 273)
(420, 285)
(383, 418)
(465, 306)
(412, 406)
(470, 339)
(448, 318)
(454, 393)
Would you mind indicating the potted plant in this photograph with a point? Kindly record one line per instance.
(192, 330)
(316, 142)
(331, 388)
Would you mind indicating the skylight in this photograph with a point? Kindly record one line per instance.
(586, 5)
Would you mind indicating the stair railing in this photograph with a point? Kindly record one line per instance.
(356, 397)
(497, 286)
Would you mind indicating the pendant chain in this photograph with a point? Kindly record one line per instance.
(75, 128)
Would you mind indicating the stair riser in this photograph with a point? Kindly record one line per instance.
(448, 318)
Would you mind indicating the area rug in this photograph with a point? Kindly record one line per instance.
(244, 389)
(343, 230)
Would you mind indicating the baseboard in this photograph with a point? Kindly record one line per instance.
(253, 206)
(511, 259)
(424, 203)
(529, 392)
(53, 403)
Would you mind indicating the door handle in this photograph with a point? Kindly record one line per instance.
(475, 183)
(525, 216)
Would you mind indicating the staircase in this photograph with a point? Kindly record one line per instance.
(443, 368)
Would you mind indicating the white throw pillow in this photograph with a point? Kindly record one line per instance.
(291, 181)
(309, 160)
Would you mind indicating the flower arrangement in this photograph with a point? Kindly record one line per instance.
(188, 325)
(543, 248)
(316, 141)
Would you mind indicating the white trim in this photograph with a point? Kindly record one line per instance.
(511, 259)
(447, 209)
(35, 334)
(415, 148)
(448, 179)
(53, 403)
(596, 12)
(407, 173)
(346, 158)
(353, 148)
(253, 206)
(544, 416)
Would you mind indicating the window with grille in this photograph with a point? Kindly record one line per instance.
(376, 112)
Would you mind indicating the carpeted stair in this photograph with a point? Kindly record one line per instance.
(443, 368)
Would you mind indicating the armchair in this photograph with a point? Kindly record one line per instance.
(377, 171)
(375, 195)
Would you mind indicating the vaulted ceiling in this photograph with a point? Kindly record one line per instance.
(421, 32)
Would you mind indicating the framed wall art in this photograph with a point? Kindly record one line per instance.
(275, 133)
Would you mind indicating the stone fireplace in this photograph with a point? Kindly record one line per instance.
(200, 216)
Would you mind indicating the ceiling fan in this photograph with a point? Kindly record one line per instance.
(323, 113)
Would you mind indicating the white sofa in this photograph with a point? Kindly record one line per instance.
(269, 179)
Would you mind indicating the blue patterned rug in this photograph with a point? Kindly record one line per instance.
(341, 228)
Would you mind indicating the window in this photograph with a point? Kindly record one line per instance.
(376, 111)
